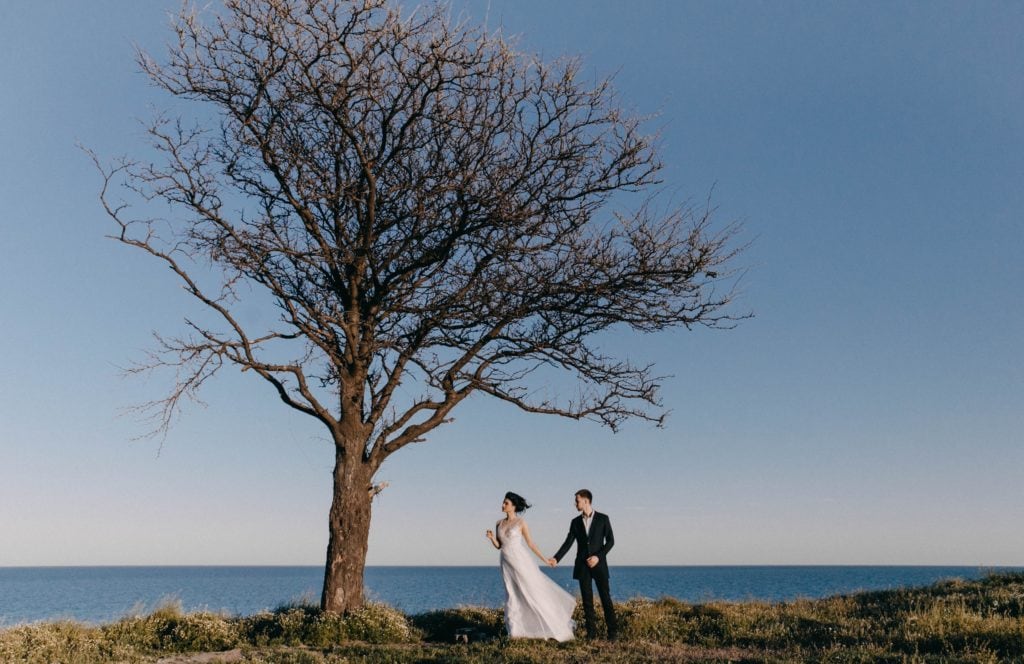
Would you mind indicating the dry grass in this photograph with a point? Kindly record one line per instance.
(953, 621)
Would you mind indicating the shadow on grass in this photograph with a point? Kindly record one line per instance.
(475, 622)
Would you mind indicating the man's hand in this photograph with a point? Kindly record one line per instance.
(592, 562)
(552, 562)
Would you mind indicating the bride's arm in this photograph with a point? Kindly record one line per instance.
(490, 536)
(529, 542)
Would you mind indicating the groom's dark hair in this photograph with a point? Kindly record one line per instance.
(583, 493)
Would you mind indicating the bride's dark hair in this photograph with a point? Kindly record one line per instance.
(517, 501)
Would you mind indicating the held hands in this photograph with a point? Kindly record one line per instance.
(552, 562)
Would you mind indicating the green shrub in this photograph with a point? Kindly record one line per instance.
(64, 642)
(378, 623)
(309, 626)
(285, 626)
(168, 629)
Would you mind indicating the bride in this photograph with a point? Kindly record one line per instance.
(535, 607)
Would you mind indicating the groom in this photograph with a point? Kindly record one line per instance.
(592, 532)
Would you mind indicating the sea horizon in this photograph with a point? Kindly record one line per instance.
(487, 565)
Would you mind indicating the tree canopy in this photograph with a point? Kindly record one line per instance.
(422, 204)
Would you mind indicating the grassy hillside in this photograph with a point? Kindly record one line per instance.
(951, 621)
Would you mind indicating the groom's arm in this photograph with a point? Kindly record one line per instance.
(565, 545)
(609, 538)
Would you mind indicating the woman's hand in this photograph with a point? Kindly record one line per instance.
(490, 536)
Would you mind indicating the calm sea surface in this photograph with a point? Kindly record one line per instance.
(102, 594)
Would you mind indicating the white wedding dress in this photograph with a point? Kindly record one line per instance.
(535, 608)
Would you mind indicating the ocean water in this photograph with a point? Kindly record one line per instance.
(104, 594)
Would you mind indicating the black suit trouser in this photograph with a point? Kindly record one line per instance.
(600, 579)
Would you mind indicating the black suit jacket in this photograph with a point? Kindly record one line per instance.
(599, 542)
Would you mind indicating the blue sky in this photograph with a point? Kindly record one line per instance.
(870, 413)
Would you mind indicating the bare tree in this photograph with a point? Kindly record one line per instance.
(423, 205)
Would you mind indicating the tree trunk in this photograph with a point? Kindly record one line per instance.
(349, 535)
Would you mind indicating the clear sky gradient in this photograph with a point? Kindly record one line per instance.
(871, 412)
